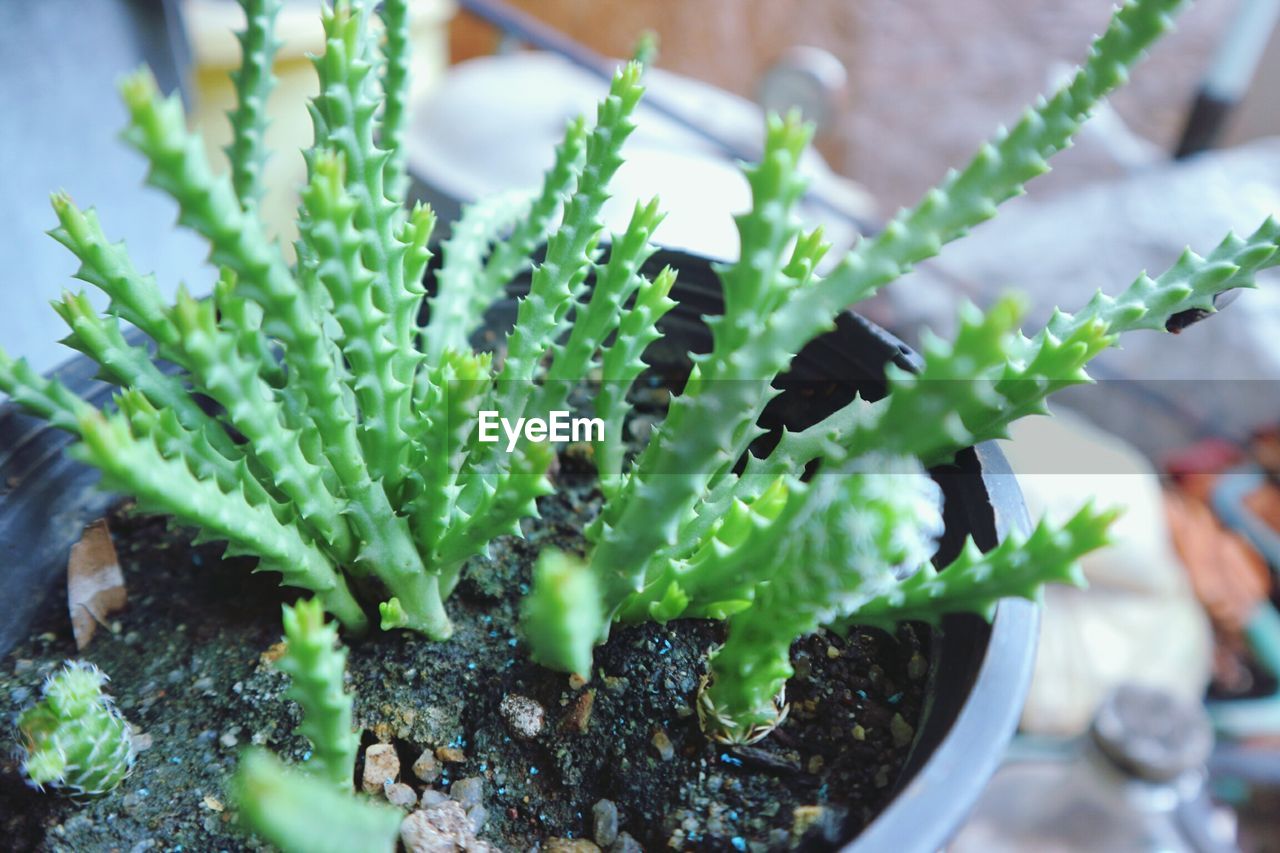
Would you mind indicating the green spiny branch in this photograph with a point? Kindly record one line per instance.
(253, 81)
(315, 665)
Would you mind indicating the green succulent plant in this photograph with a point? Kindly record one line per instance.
(313, 809)
(315, 664)
(74, 738)
(343, 449)
(302, 813)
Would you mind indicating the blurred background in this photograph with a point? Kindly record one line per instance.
(1184, 431)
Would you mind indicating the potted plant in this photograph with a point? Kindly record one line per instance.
(636, 577)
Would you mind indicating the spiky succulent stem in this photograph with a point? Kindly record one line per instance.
(132, 367)
(462, 294)
(74, 738)
(514, 254)
(232, 380)
(209, 206)
(45, 398)
(345, 117)
(839, 541)
(395, 92)
(620, 365)
(727, 389)
(998, 172)
(162, 428)
(315, 663)
(971, 389)
(253, 82)
(617, 280)
(551, 290)
(139, 468)
(299, 813)
(453, 396)
(336, 243)
(975, 582)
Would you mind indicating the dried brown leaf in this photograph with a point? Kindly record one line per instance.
(95, 584)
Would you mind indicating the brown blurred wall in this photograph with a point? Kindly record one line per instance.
(929, 79)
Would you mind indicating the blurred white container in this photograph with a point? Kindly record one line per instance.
(494, 122)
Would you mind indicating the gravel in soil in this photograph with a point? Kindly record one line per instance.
(530, 753)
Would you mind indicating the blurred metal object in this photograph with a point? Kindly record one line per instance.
(1151, 734)
(809, 79)
(179, 46)
(1229, 74)
(1135, 783)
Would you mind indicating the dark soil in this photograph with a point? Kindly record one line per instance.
(190, 666)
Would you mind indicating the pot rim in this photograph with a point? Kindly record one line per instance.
(917, 818)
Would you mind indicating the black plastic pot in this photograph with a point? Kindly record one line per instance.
(979, 672)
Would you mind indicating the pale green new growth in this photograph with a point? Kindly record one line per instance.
(300, 813)
(561, 584)
(315, 664)
(835, 543)
(74, 739)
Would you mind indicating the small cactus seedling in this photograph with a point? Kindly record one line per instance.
(75, 739)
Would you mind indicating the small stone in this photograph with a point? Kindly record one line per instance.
(432, 797)
(859, 733)
(228, 738)
(815, 764)
(381, 765)
(426, 767)
(468, 791)
(420, 834)
(142, 741)
(917, 667)
(833, 652)
(400, 794)
(569, 845)
(523, 716)
(451, 755)
(604, 822)
(578, 717)
(626, 844)
(439, 829)
(477, 814)
(901, 730)
(212, 803)
(662, 744)
(882, 776)
(273, 653)
(803, 817)
(576, 682)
